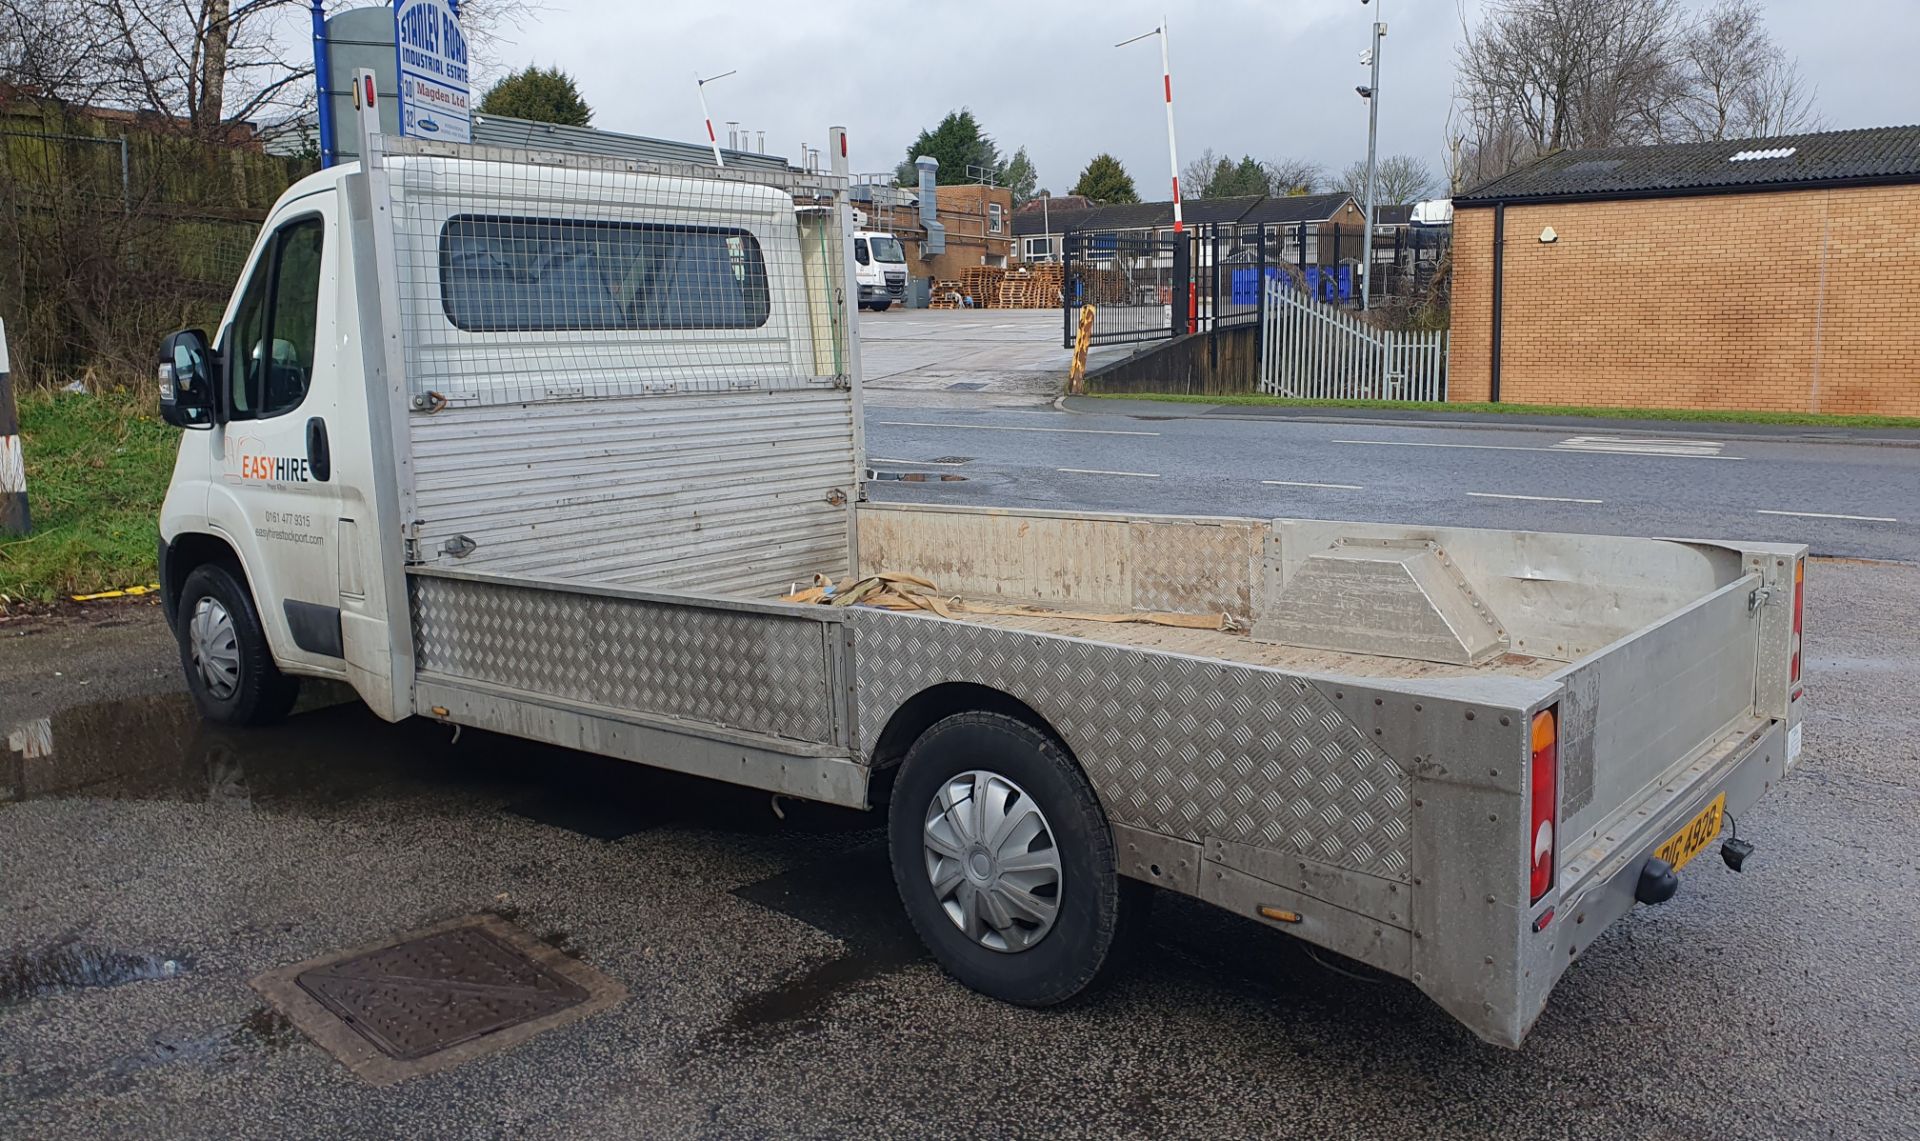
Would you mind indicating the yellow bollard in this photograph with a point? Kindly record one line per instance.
(1077, 375)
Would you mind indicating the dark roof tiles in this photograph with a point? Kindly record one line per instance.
(1875, 154)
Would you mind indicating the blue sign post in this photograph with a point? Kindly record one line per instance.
(320, 65)
(432, 54)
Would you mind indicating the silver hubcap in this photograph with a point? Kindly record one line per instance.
(992, 861)
(215, 649)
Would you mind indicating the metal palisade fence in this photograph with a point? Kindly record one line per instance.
(1314, 351)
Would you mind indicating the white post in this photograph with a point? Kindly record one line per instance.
(14, 517)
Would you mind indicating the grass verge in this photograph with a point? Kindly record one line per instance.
(1693, 415)
(97, 469)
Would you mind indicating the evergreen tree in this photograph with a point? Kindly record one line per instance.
(545, 95)
(1018, 175)
(958, 143)
(1105, 180)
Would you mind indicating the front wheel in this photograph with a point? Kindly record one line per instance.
(1004, 860)
(881, 306)
(224, 651)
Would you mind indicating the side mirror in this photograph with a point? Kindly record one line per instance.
(185, 373)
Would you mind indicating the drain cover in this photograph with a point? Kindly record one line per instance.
(951, 460)
(428, 994)
(436, 997)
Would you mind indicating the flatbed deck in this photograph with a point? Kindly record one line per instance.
(1240, 648)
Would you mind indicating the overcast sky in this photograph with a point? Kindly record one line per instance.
(1263, 77)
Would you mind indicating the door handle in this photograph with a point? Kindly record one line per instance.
(319, 455)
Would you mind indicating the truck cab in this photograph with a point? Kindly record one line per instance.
(880, 267)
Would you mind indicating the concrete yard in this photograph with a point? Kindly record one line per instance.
(966, 357)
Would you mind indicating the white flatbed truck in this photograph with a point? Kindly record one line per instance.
(535, 443)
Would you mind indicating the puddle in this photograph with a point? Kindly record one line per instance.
(159, 749)
(76, 966)
(918, 476)
(330, 759)
(850, 897)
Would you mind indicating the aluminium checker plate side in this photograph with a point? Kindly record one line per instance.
(1181, 746)
(762, 672)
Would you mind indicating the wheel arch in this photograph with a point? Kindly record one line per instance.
(188, 551)
(921, 712)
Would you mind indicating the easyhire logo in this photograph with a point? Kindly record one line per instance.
(275, 469)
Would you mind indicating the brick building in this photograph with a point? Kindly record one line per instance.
(978, 221)
(1778, 274)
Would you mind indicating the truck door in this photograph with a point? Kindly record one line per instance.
(273, 492)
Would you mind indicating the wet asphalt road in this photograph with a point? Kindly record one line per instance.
(150, 865)
(1858, 499)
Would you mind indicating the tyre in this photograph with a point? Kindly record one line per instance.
(1004, 860)
(224, 652)
(882, 306)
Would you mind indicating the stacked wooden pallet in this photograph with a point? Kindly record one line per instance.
(1043, 290)
(1013, 291)
(946, 295)
(982, 283)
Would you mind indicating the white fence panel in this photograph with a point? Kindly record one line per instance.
(1313, 351)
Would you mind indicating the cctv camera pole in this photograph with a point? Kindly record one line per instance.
(1373, 132)
(700, 85)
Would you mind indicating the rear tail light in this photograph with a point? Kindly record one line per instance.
(1545, 782)
(1799, 602)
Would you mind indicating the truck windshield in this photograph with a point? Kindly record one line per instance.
(886, 248)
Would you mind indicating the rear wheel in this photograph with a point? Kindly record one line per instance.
(1004, 860)
(224, 651)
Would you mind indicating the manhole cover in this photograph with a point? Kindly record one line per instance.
(437, 997)
(966, 386)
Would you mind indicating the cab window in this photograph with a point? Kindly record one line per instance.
(860, 250)
(270, 346)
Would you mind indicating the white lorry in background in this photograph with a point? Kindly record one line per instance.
(539, 449)
(880, 268)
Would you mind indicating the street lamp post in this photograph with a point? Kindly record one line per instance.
(1373, 133)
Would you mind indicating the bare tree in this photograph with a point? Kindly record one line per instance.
(1294, 176)
(1736, 82)
(47, 49)
(1536, 76)
(1780, 102)
(1398, 179)
(194, 65)
(1198, 172)
(1570, 72)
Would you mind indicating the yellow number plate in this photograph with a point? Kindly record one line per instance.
(1694, 838)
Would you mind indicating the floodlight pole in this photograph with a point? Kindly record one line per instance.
(1373, 133)
(700, 85)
